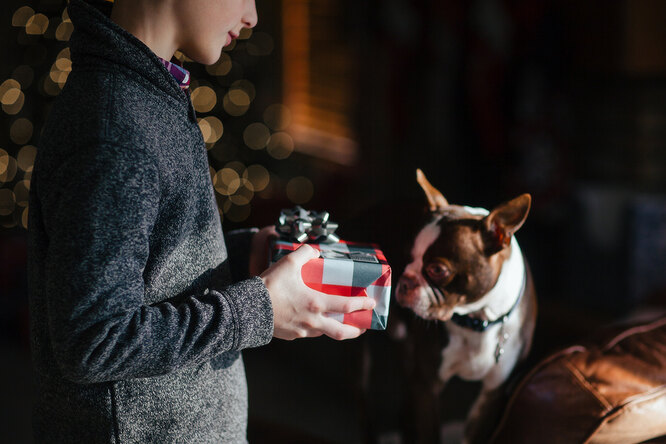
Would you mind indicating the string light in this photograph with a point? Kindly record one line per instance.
(300, 190)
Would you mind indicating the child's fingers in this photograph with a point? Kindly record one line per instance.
(302, 255)
(346, 304)
(337, 330)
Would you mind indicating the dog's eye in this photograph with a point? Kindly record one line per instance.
(438, 271)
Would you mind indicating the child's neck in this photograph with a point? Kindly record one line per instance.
(150, 22)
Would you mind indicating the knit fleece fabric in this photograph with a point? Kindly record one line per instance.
(136, 320)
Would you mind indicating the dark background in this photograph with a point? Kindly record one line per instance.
(565, 100)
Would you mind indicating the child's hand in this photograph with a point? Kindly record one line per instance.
(299, 310)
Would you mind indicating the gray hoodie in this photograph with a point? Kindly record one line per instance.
(137, 322)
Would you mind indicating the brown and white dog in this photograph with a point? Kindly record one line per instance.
(467, 271)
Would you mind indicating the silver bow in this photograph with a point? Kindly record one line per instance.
(299, 225)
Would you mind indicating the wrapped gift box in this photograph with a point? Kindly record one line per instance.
(347, 269)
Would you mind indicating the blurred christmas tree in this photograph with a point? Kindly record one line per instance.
(237, 101)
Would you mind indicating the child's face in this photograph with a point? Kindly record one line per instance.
(209, 25)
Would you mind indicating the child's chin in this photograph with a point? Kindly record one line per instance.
(205, 56)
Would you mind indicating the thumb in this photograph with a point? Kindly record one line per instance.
(303, 254)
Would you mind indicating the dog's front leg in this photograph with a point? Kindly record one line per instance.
(483, 416)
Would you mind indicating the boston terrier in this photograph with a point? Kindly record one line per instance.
(467, 274)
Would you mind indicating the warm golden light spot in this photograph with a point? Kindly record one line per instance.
(256, 135)
(261, 44)
(277, 117)
(243, 195)
(217, 126)
(280, 146)
(4, 160)
(237, 166)
(65, 15)
(230, 47)
(22, 15)
(64, 31)
(206, 131)
(10, 170)
(24, 219)
(204, 99)
(239, 97)
(245, 33)
(26, 157)
(24, 75)
(22, 192)
(11, 96)
(7, 202)
(300, 190)
(230, 105)
(37, 24)
(245, 86)
(15, 107)
(258, 175)
(226, 181)
(221, 67)
(21, 131)
(63, 60)
(212, 172)
(49, 86)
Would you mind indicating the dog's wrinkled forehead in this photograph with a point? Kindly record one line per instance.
(442, 225)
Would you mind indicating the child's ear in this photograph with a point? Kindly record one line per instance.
(504, 221)
(436, 200)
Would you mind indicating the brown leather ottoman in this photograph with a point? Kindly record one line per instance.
(610, 392)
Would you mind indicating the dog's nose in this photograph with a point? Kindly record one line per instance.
(408, 281)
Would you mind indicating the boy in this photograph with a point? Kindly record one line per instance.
(137, 321)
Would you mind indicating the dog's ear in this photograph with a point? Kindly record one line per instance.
(436, 201)
(504, 221)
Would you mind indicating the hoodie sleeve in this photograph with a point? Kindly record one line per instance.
(99, 211)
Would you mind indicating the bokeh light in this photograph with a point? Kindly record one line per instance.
(245, 33)
(280, 145)
(4, 161)
(9, 170)
(300, 190)
(211, 129)
(226, 181)
(221, 67)
(22, 192)
(21, 131)
(277, 117)
(204, 99)
(256, 135)
(258, 175)
(246, 86)
(22, 15)
(261, 44)
(236, 102)
(7, 202)
(24, 218)
(37, 24)
(24, 75)
(26, 158)
(238, 213)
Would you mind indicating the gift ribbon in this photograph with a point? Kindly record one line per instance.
(299, 225)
